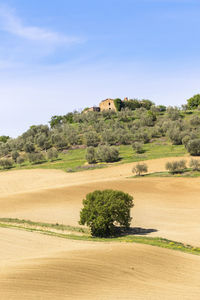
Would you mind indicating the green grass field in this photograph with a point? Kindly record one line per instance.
(74, 160)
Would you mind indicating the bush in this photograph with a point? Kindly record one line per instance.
(185, 140)
(92, 139)
(138, 147)
(29, 147)
(176, 166)
(91, 155)
(195, 121)
(20, 160)
(193, 147)
(173, 113)
(109, 137)
(176, 136)
(195, 164)
(36, 157)
(161, 108)
(107, 154)
(59, 140)
(118, 104)
(52, 154)
(15, 155)
(6, 163)
(142, 135)
(140, 169)
(104, 210)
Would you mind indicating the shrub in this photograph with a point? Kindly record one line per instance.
(15, 155)
(173, 113)
(91, 155)
(142, 135)
(185, 140)
(195, 164)
(118, 104)
(161, 108)
(146, 103)
(4, 138)
(109, 137)
(59, 140)
(6, 163)
(92, 139)
(176, 166)
(193, 147)
(195, 121)
(132, 104)
(20, 160)
(36, 157)
(175, 136)
(138, 147)
(52, 154)
(139, 169)
(104, 210)
(29, 147)
(107, 154)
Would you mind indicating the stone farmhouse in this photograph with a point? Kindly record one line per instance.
(107, 104)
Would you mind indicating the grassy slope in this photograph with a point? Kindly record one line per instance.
(74, 159)
(49, 229)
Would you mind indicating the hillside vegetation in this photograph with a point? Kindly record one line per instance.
(139, 130)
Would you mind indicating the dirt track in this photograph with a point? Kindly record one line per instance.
(40, 267)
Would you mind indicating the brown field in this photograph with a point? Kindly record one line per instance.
(34, 266)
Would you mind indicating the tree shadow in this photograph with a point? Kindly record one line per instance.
(134, 231)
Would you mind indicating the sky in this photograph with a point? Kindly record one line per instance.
(60, 56)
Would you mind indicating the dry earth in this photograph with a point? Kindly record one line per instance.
(34, 266)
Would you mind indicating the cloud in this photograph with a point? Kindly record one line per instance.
(12, 24)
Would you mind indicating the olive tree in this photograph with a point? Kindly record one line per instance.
(6, 163)
(91, 155)
(91, 139)
(15, 155)
(195, 164)
(36, 157)
(107, 154)
(176, 166)
(138, 147)
(139, 169)
(52, 154)
(104, 211)
(20, 160)
(193, 147)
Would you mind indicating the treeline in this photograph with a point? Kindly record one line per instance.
(127, 126)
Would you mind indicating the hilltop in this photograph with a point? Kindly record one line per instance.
(135, 130)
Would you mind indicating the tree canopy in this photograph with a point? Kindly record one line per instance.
(104, 210)
(193, 102)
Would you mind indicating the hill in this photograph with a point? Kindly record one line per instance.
(131, 134)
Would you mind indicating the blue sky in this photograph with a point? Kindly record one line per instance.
(57, 56)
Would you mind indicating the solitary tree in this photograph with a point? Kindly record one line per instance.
(104, 210)
(139, 169)
(138, 147)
